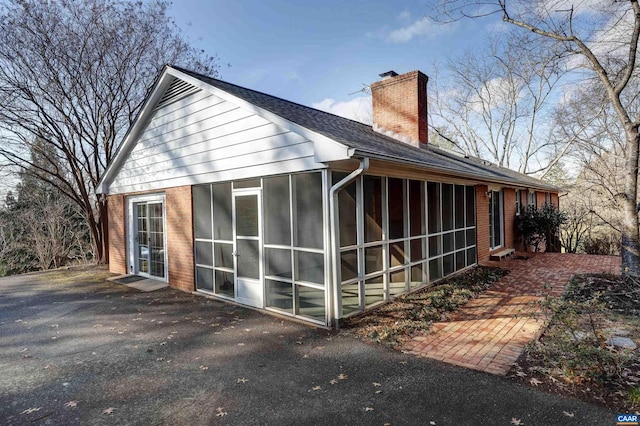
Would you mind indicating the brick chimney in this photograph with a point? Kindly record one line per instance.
(400, 106)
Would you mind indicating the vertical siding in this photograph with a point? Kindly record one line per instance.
(203, 138)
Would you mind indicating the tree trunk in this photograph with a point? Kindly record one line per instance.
(630, 250)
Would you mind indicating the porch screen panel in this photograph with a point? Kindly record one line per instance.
(202, 211)
(451, 243)
(308, 209)
(277, 216)
(372, 193)
(222, 228)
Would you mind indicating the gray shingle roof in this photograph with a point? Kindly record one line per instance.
(368, 142)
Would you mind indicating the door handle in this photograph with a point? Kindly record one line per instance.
(234, 253)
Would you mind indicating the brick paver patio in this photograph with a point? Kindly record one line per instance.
(490, 332)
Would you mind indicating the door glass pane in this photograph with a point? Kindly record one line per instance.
(248, 258)
(433, 206)
(204, 279)
(222, 229)
(372, 192)
(247, 215)
(350, 298)
(225, 283)
(497, 218)
(460, 240)
(277, 217)
(308, 208)
(397, 210)
(278, 262)
(471, 256)
(202, 212)
(471, 237)
(447, 242)
(223, 256)
(309, 267)
(249, 183)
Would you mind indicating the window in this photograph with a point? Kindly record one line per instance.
(518, 201)
(495, 219)
(533, 199)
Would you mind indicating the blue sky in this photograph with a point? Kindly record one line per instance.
(317, 53)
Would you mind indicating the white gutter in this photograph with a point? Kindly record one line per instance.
(335, 243)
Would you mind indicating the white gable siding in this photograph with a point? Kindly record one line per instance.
(203, 138)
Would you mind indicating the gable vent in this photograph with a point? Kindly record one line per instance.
(177, 90)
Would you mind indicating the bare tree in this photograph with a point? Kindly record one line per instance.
(495, 106)
(602, 38)
(74, 74)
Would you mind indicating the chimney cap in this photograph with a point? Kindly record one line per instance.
(388, 74)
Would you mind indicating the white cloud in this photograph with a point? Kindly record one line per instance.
(422, 27)
(358, 109)
(404, 16)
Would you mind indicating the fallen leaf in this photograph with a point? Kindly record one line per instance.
(204, 367)
(432, 423)
(521, 374)
(568, 414)
(342, 376)
(24, 350)
(376, 384)
(31, 410)
(368, 408)
(163, 343)
(316, 388)
(535, 382)
(220, 412)
(242, 380)
(516, 422)
(333, 381)
(71, 404)
(378, 391)
(240, 344)
(109, 410)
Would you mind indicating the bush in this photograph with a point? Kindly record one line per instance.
(605, 244)
(540, 226)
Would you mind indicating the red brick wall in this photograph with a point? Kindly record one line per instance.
(540, 198)
(509, 197)
(400, 105)
(180, 238)
(117, 224)
(482, 222)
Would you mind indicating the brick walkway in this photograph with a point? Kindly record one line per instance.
(490, 332)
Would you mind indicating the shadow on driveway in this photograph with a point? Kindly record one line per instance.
(73, 345)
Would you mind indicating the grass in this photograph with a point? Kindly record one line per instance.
(400, 319)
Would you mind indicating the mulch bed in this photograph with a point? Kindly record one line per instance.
(618, 308)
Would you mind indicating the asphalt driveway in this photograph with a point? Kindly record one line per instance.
(75, 349)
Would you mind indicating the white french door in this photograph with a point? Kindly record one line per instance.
(147, 240)
(247, 247)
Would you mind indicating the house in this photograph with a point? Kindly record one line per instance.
(233, 193)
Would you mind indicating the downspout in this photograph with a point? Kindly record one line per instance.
(335, 243)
